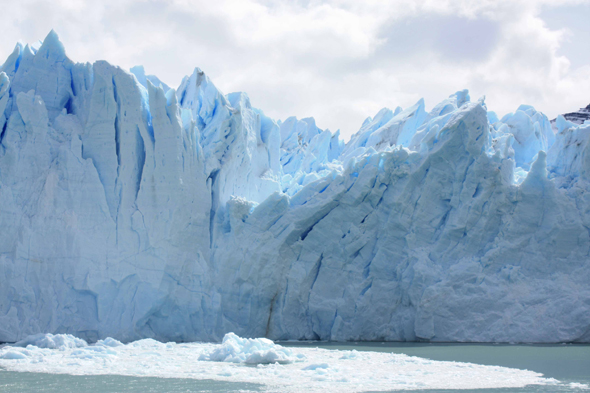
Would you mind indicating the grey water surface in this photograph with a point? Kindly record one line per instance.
(58, 383)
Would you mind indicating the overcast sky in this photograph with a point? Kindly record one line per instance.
(338, 61)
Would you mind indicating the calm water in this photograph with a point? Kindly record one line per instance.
(567, 363)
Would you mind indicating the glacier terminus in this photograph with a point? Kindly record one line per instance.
(129, 209)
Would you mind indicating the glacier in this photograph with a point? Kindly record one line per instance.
(132, 210)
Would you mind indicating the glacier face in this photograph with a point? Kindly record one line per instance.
(132, 210)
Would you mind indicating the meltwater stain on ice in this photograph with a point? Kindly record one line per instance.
(261, 364)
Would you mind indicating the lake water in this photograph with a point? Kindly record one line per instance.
(570, 364)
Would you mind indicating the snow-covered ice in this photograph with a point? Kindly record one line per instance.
(133, 210)
(311, 369)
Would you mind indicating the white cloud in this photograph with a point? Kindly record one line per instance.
(339, 61)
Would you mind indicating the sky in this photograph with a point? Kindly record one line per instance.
(339, 61)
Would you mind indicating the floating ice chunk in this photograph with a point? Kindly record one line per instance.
(14, 355)
(93, 353)
(582, 386)
(109, 342)
(147, 343)
(354, 354)
(52, 341)
(235, 349)
(317, 366)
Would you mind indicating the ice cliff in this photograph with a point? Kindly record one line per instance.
(129, 209)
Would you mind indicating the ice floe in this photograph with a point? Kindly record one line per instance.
(295, 369)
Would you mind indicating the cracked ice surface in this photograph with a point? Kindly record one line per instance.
(131, 210)
(308, 369)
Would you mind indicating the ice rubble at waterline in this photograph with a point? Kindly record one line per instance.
(257, 361)
(132, 210)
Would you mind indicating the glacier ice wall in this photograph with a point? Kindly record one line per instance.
(130, 209)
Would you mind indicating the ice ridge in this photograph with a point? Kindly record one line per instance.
(133, 210)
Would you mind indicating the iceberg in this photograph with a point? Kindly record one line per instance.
(255, 351)
(132, 210)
